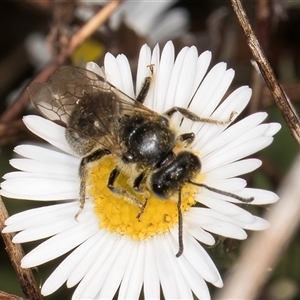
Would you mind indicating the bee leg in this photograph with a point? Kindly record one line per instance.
(82, 175)
(189, 115)
(146, 86)
(228, 194)
(111, 181)
(180, 234)
(83, 172)
(142, 210)
(137, 187)
(186, 138)
(137, 182)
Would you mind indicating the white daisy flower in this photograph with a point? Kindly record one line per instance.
(154, 20)
(110, 247)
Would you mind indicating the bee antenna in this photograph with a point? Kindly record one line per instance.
(180, 235)
(231, 195)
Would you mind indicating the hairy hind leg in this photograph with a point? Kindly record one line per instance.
(83, 172)
(191, 116)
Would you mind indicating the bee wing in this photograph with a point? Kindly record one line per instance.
(70, 88)
(57, 98)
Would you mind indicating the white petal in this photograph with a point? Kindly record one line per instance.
(130, 265)
(154, 64)
(30, 165)
(201, 105)
(151, 279)
(95, 68)
(40, 189)
(234, 151)
(223, 228)
(113, 72)
(48, 131)
(219, 91)
(258, 224)
(94, 279)
(234, 169)
(163, 77)
(196, 282)
(114, 268)
(194, 279)
(236, 103)
(260, 196)
(143, 70)
(202, 67)
(44, 231)
(206, 216)
(60, 244)
(273, 129)
(124, 68)
(20, 174)
(46, 155)
(115, 275)
(198, 257)
(32, 217)
(186, 78)
(171, 94)
(165, 272)
(85, 264)
(133, 273)
(183, 287)
(230, 185)
(226, 208)
(232, 133)
(63, 271)
(197, 232)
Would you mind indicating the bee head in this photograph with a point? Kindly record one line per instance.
(171, 177)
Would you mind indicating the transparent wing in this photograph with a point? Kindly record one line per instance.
(84, 102)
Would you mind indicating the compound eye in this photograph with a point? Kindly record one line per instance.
(160, 190)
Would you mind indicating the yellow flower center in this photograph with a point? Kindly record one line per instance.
(117, 214)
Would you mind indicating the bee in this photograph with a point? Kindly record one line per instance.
(101, 120)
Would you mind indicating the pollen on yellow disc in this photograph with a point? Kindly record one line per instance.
(117, 214)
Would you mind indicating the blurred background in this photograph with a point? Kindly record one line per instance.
(35, 33)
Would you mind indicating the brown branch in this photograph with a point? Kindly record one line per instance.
(280, 98)
(6, 296)
(88, 29)
(292, 88)
(265, 248)
(16, 253)
(264, 17)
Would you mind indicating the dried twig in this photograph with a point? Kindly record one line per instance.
(280, 98)
(16, 253)
(6, 296)
(263, 250)
(91, 26)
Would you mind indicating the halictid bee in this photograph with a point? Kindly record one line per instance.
(101, 120)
